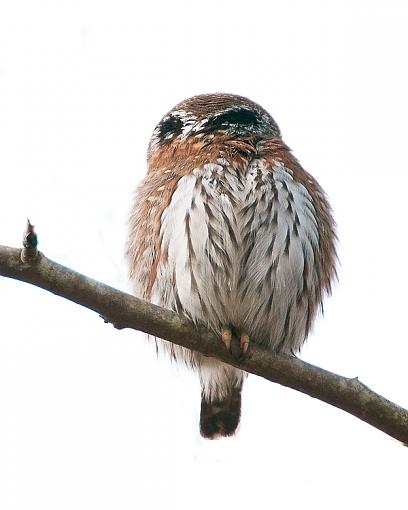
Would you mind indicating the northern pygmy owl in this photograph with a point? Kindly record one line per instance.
(229, 230)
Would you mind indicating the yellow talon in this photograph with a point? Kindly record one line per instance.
(226, 336)
(244, 342)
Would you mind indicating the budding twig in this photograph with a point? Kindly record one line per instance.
(30, 242)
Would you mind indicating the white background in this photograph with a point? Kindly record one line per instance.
(89, 418)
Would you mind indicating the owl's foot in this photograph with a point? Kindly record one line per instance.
(238, 349)
(244, 342)
(226, 336)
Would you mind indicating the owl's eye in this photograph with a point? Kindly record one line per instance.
(172, 126)
(240, 117)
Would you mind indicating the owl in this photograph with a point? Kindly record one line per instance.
(230, 231)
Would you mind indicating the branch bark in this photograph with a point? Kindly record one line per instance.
(126, 311)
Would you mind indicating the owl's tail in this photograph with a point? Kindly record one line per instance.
(220, 417)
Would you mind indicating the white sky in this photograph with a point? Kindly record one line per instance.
(89, 418)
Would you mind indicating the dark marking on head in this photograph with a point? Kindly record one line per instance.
(240, 119)
(169, 127)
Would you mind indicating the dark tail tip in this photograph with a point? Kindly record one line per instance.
(220, 418)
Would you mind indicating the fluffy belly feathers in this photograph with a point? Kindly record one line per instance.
(239, 252)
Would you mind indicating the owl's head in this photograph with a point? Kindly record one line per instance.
(212, 115)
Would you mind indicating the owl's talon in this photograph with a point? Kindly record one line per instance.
(226, 336)
(244, 342)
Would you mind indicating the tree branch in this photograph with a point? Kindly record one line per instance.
(126, 311)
